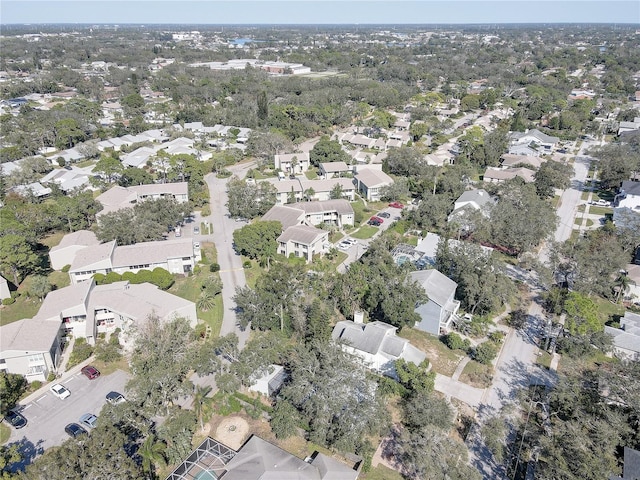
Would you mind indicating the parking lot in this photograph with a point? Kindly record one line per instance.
(47, 415)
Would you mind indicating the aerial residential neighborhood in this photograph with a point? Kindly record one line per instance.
(321, 252)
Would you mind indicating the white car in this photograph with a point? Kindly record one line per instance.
(350, 241)
(60, 391)
(344, 246)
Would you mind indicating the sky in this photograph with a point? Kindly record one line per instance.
(318, 11)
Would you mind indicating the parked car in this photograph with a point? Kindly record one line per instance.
(15, 419)
(196, 230)
(384, 215)
(196, 245)
(375, 223)
(114, 398)
(350, 241)
(396, 205)
(60, 391)
(90, 372)
(89, 420)
(344, 246)
(73, 430)
(377, 219)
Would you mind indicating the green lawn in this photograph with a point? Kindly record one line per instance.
(191, 287)
(22, 308)
(442, 358)
(477, 375)
(606, 309)
(59, 279)
(364, 232)
(584, 196)
(5, 433)
(311, 174)
(544, 360)
(381, 473)
(53, 239)
(600, 210)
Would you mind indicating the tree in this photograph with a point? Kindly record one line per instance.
(248, 200)
(422, 408)
(337, 192)
(552, 175)
(266, 145)
(17, 257)
(263, 106)
(152, 453)
(406, 161)
(284, 419)
(177, 432)
(200, 402)
(418, 130)
(134, 176)
(39, 287)
(333, 395)
(160, 362)
(258, 240)
(485, 352)
(415, 378)
(110, 168)
(582, 315)
(327, 150)
(12, 386)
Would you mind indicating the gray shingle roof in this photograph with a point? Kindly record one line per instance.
(302, 234)
(81, 237)
(151, 252)
(373, 178)
(94, 255)
(342, 207)
(288, 216)
(437, 286)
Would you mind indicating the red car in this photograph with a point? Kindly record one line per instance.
(396, 205)
(90, 372)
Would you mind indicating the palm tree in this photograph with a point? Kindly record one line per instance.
(152, 453)
(205, 302)
(621, 286)
(201, 403)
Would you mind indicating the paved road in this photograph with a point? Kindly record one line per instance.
(231, 271)
(516, 367)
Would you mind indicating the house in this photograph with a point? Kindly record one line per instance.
(629, 196)
(334, 169)
(630, 465)
(428, 248)
(36, 189)
(370, 182)
(33, 347)
(509, 160)
(470, 200)
(633, 274)
(439, 312)
(258, 459)
(626, 339)
(67, 180)
(629, 126)
(523, 150)
(498, 175)
(293, 163)
(535, 137)
(64, 253)
(176, 256)
(126, 197)
(271, 382)
(139, 157)
(376, 344)
(4, 288)
(303, 241)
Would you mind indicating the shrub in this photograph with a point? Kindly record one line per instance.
(206, 211)
(485, 353)
(8, 301)
(456, 342)
(51, 377)
(81, 351)
(35, 385)
(99, 278)
(112, 277)
(66, 268)
(162, 278)
(246, 264)
(214, 267)
(496, 337)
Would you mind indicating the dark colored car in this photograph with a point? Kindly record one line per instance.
(74, 430)
(115, 398)
(384, 215)
(90, 372)
(375, 223)
(376, 219)
(15, 419)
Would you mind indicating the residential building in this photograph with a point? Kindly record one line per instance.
(630, 465)
(523, 150)
(509, 160)
(376, 344)
(338, 213)
(292, 163)
(271, 382)
(440, 310)
(287, 215)
(535, 137)
(35, 189)
(68, 180)
(4, 288)
(334, 169)
(258, 459)
(126, 197)
(176, 256)
(370, 182)
(626, 339)
(498, 175)
(633, 274)
(286, 190)
(629, 196)
(65, 252)
(472, 200)
(303, 241)
(33, 347)
(320, 190)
